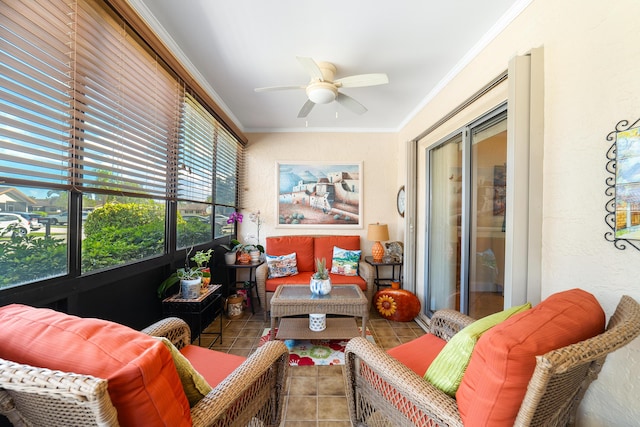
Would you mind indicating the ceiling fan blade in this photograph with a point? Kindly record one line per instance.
(361, 80)
(270, 88)
(350, 103)
(306, 109)
(311, 67)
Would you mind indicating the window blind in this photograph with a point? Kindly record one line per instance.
(86, 106)
(35, 86)
(195, 152)
(229, 158)
(126, 110)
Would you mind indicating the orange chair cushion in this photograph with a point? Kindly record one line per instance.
(503, 360)
(323, 246)
(418, 354)
(213, 365)
(301, 245)
(143, 382)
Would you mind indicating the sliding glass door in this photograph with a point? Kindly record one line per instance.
(466, 212)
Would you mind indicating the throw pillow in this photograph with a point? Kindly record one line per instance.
(449, 366)
(194, 385)
(345, 262)
(283, 265)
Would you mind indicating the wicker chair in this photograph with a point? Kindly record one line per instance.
(252, 394)
(378, 385)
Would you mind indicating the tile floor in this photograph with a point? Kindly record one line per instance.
(315, 394)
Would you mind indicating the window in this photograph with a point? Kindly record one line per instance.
(466, 230)
(105, 141)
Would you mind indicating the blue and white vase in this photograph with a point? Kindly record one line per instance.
(320, 286)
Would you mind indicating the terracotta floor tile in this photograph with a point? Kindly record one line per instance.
(316, 395)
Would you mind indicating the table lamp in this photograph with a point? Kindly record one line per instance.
(376, 233)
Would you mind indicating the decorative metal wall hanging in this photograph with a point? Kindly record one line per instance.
(623, 186)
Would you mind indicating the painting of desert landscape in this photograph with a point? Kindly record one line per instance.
(319, 194)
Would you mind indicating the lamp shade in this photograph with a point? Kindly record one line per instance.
(378, 232)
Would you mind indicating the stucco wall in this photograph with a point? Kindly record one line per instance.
(592, 60)
(377, 152)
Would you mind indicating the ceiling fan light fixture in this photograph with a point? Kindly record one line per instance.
(322, 93)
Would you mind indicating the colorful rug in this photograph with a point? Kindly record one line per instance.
(314, 352)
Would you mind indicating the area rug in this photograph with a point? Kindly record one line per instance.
(314, 352)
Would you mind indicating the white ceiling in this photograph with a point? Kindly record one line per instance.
(235, 46)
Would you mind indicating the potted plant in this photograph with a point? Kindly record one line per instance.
(202, 258)
(190, 278)
(232, 249)
(241, 252)
(320, 282)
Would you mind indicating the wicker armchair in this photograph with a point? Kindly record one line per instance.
(383, 392)
(253, 393)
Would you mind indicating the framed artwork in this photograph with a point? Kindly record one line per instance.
(623, 186)
(319, 194)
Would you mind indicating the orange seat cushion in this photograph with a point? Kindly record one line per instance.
(503, 360)
(302, 278)
(418, 354)
(213, 365)
(301, 245)
(143, 382)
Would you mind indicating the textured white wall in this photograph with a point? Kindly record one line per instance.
(592, 63)
(377, 152)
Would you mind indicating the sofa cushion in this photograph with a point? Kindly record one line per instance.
(339, 279)
(504, 358)
(282, 265)
(142, 379)
(302, 278)
(193, 383)
(449, 366)
(345, 262)
(301, 245)
(323, 246)
(213, 365)
(418, 353)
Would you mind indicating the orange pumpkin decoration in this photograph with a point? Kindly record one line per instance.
(397, 304)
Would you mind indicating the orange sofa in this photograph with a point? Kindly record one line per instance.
(307, 249)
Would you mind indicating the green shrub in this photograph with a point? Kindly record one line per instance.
(119, 233)
(28, 259)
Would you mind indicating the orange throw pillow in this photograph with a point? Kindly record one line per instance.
(504, 358)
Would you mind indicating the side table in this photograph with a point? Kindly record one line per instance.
(190, 309)
(385, 281)
(246, 284)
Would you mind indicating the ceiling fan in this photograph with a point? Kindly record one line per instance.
(323, 89)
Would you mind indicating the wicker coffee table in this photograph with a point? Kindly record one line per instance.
(294, 300)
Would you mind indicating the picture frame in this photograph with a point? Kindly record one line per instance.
(623, 185)
(319, 194)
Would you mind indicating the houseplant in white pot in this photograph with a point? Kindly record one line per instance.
(320, 283)
(190, 278)
(202, 258)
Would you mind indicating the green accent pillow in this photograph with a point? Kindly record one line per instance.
(447, 369)
(194, 385)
